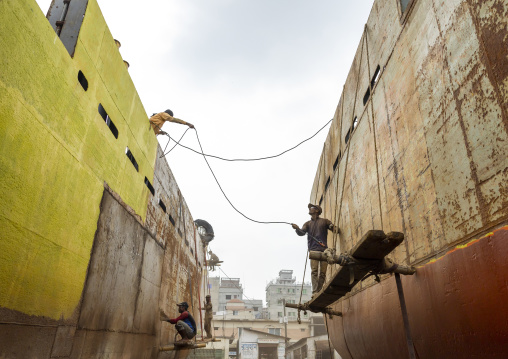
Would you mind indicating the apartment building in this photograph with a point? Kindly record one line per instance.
(286, 288)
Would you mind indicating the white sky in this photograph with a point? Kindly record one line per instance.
(255, 78)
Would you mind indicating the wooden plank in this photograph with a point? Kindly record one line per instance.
(374, 245)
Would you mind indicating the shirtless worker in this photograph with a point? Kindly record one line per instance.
(208, 316)
(317, 233)
(158, 119)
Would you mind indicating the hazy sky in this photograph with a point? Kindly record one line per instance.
(255, 78)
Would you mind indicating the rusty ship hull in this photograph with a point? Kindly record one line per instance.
(419, 145)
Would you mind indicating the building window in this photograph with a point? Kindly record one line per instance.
(372, 83)
(235, 312)
(82, 80)
(302, 329)
(304, 291)
(275, 331)
(289, 290)
(255, 309)
(235, 296)
(149, 186)
(108, 121)
(215, 328)
(403, 5)
(228, 296)
(131, 158)
(326, 187)
(279, 290)
(162, 205)
(292, 314)
(279, 302)
(279, 314)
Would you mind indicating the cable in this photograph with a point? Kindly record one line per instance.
(169, 140)
(216, 180)
(250, 219)
(248, 159)
(235, 284)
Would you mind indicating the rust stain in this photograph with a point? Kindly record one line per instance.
(462, 246)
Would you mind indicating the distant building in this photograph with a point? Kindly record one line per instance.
(256, 305)
(230, 288)
(285, 287)
(213, 287)
(254, 344)
(226, 289)
(316, 347)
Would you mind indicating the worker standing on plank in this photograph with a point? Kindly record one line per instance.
(185, 324)
(158, 119)
(317, 233)
(208, 316)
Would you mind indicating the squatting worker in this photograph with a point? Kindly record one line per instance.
(157, 121)
(184, 324)
(317, 232)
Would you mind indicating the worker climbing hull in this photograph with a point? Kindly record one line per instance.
(418, 146)
(96, 237)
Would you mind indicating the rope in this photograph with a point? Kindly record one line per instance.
(199, 291)
(192, 299)
(220, 187)
(301, 289)
(373, 125)
(246, 159)
(328, 335)
(169, 140)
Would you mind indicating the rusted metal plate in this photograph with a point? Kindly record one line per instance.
(428, 156)
(123, 283)
(456, 308)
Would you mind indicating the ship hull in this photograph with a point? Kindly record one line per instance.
(456, 308)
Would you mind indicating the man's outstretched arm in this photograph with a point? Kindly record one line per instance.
(300, 232)
(177, 120)
(181, 317)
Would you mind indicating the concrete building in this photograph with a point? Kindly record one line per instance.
(213, 287)
(311, 348)
(256, 305)
(227, 325)
(254, 344)
(285, 287)
(230, 288)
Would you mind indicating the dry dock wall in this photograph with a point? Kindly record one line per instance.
(88, 255)
(427, 156)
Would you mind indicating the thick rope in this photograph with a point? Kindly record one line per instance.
(164, 153)
(248, 159)
(373, 126)
(220, 187)
(301, 289)
(328, 335)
